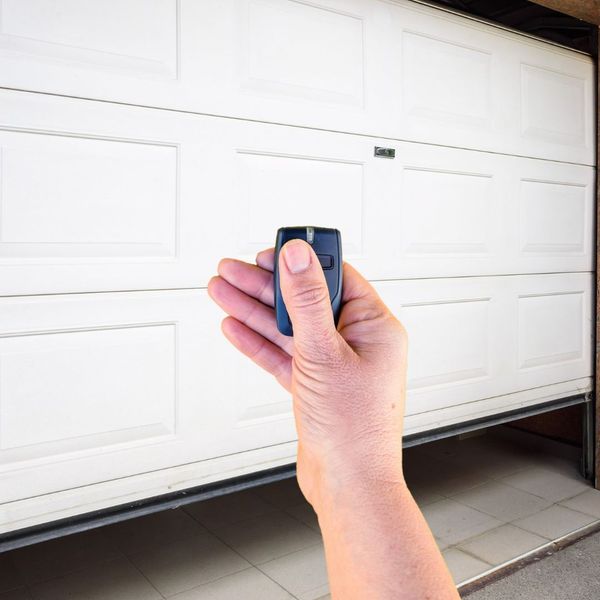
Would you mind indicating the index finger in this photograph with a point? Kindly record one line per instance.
(265, 259)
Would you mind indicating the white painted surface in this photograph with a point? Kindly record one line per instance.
(482, 337)
(485, 253)
(148, 380)
(390, 69)
(98, 197)
(100, 386)
(69, 502)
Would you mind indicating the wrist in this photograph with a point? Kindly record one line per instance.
(358, 479)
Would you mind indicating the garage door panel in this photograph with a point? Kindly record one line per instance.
(465, 213)
(446, 81)
(456, 341)
(479, 87)
(299, 189)
(145, 380)
(286, 49)
(67, 390)
(76, 197)
(101, 386)
(137, 38)
(554, 333)
(396, 70)
(553, 106)
(98, 197)
(445, 212)
(476, 338)
(554, 218)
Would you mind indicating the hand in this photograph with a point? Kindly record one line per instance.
(348, 385)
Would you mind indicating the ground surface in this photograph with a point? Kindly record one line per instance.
(488, 500)
(571, 574)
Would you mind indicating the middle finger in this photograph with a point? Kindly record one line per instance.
(250, 279)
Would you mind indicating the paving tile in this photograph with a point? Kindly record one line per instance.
(456, 482)
(424, 492)
(549, 484)
(263, 538)
(462, 566)
(188, 563)
(19, 594)
(588, 502)
(232, 508)
(502, 501)
(555, 521)
(54, 558)
(441, 544)
(143, 533)
(113, 580)
(304, 512)
(301, 573)
(495, 458)
(281, 494)
(424, 497)
(452, 522)
(250, 584)
(502, 544)
(10, 577)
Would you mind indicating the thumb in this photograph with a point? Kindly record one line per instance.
(306, 298)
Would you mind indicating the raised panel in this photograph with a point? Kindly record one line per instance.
(466, 85)
(76, 197)
(95, 387)
(449, 342)
(469, 342)
(398, 70)
(553, 217)
(137, 37)
(278, 190)
(302, 50)
(101, 197)
(445, 212)
(445, 81)
(553, 105)
(551, 329)
(74, 390)
(472, 339)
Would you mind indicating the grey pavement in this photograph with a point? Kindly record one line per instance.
(570, 574)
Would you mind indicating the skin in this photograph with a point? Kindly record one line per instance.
(348, 390)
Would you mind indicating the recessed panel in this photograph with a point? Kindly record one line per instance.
(550, 329)
(448, 342)
(552, 217)
(73, 390)
(138, 37)
(80, 197)
(303, 50)
(279, 191)
(445, 212)
(445, 81)
(553, 106)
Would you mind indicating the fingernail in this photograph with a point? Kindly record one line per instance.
(296, 255)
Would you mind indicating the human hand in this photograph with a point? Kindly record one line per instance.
(348, 385)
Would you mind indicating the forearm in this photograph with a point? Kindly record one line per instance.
(378, 545)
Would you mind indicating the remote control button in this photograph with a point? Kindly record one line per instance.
(326, 260)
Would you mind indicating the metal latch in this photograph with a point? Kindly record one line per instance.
(384, 152)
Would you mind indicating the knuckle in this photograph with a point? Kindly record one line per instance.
(400, 334)
(310, 295)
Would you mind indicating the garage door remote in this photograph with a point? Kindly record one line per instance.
(327, 244)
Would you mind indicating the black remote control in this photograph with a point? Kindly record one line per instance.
(327, 244)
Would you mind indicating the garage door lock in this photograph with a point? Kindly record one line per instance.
(385, 152)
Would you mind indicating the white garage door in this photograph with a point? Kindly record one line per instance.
(142, 140)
